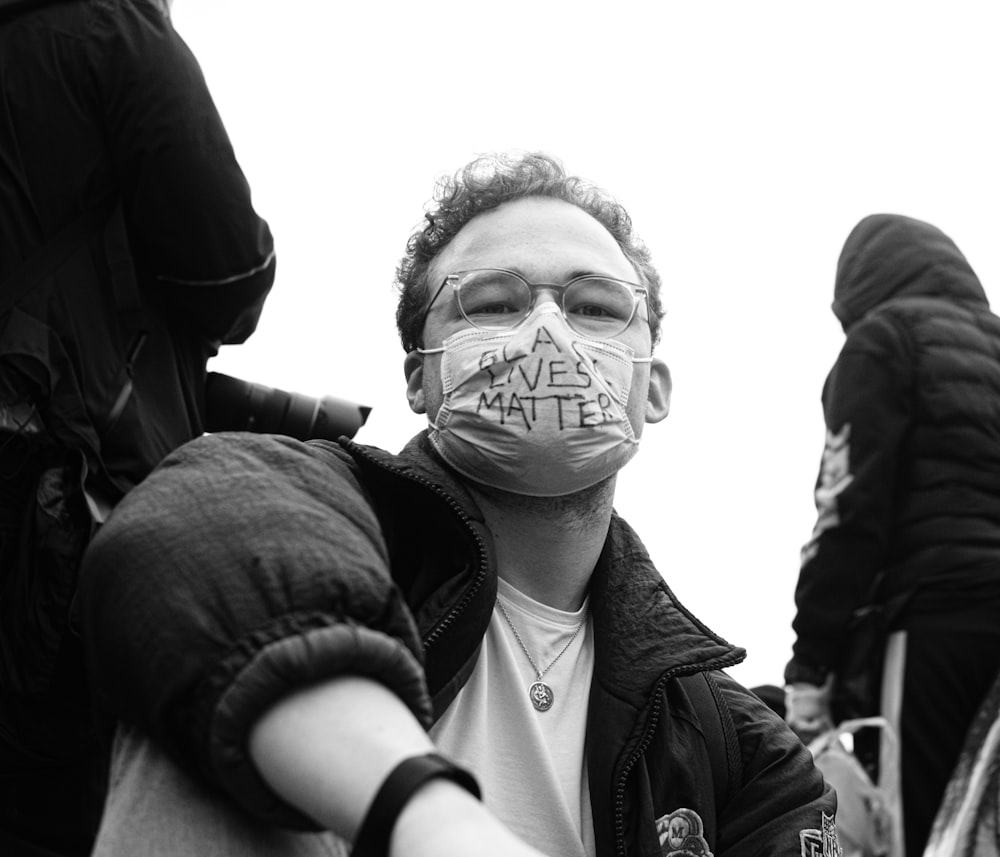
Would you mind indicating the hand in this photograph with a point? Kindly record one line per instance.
(807, 709)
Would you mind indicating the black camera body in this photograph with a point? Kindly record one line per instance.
(236, 405)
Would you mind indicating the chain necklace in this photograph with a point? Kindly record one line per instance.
(540, 693)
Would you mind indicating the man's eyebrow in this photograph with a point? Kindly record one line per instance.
(576, 272)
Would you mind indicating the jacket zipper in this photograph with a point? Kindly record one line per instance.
(651, 724)
(443, 625)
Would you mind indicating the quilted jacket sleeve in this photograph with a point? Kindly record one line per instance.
(244, 567)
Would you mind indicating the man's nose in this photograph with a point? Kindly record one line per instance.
(547, 294)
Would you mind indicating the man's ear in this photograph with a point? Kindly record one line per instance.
(413, 368)
(660, 386)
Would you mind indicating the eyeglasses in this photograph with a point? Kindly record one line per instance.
(497, 299)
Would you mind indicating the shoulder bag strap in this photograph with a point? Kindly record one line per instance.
(720, 735)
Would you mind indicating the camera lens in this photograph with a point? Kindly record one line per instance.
(236, 405)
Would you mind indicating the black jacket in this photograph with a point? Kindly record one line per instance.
(247, 566)
(910, 482)
(129, 252)
(103, 105)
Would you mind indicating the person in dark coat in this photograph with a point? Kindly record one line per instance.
(315, 644)
(909, 509)
(130, 252)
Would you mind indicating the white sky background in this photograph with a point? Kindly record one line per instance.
(745, 139)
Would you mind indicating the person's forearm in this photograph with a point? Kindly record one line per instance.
(327, 749)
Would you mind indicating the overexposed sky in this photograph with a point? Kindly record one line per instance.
(746, 140)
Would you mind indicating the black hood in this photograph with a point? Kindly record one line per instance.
(890, 256)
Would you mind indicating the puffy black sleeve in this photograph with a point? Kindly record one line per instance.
(243, 568)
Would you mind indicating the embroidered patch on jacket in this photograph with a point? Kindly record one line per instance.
(821, 843)
(682, 834)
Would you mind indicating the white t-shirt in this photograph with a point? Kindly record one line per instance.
(530, 764)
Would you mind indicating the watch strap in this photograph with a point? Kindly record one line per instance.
(395, 792)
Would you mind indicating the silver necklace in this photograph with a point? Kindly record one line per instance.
(540, 693)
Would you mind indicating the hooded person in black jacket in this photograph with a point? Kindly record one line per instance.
(909, 507)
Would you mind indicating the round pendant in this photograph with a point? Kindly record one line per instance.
(541, 696)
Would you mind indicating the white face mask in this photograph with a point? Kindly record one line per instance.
(538, 410)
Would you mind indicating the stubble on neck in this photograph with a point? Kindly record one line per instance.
(548, 547)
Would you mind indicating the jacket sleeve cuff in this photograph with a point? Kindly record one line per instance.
(287, 665)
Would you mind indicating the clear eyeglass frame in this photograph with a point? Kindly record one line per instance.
(592, 304)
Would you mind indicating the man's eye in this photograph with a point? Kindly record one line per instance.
(600, 310)
(596, 298)
(593, 311)
(493, 296)
(491, 309)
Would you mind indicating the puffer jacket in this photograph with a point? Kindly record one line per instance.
(909, 484)
(247, 566)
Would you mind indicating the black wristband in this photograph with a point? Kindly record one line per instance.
(373, 836)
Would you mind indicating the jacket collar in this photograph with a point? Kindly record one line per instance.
(642, 630)
(420, 461)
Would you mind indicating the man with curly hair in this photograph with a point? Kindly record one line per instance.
(313, 644)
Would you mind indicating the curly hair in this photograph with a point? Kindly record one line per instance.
(486, 183)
